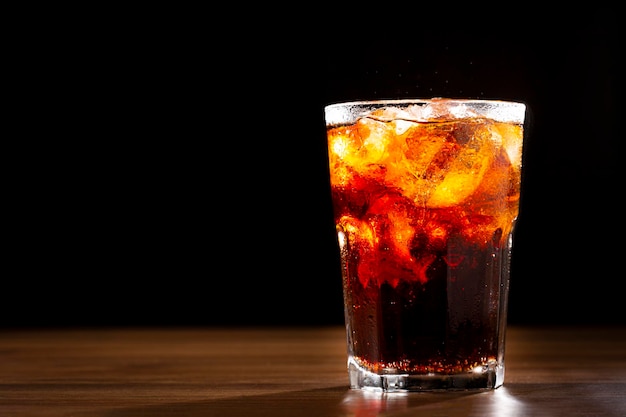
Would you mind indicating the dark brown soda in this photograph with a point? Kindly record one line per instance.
(432, 305)
(444, 322)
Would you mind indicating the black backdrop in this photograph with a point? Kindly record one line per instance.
(177, 176)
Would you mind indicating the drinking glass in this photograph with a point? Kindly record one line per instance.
(425, 196)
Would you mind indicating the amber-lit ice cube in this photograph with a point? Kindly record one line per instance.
(439, 165)
(478, 143)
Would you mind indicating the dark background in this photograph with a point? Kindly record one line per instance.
(175, 175)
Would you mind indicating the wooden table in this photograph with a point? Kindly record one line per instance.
(200, 372)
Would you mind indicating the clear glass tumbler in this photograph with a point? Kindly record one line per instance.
(425, 195)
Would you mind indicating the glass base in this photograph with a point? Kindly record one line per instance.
(485, 378)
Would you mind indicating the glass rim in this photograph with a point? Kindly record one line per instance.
(509, 111)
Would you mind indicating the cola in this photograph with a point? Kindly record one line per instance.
(425, 199)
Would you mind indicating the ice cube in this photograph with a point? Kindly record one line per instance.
(466, 170)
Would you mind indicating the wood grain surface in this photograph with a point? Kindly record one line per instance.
(200, 372)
